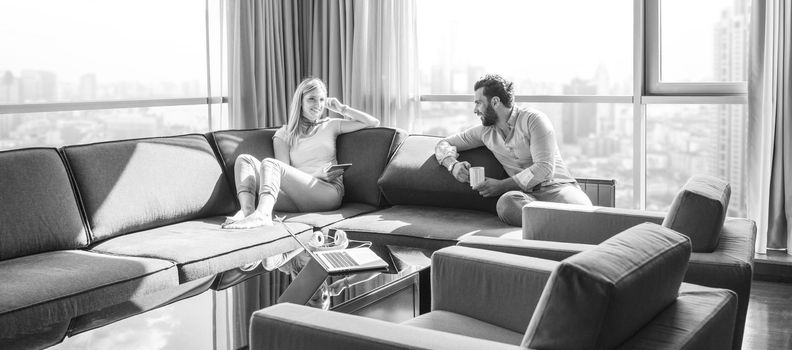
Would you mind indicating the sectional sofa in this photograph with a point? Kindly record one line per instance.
(87, 232)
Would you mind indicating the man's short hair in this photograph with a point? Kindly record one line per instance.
(496, 85)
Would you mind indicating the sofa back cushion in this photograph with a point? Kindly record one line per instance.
(599, 298)
(230, 144)
(369, 151)
(413, 177)
(133, 185)
(39, 210)
(698, 211)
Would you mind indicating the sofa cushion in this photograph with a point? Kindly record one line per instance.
(450, 322)
(325, 218)
(56, 286)
(422, 227)
(133, 185)
(201, 248)
(698, 211)
(608, 293)
(38, 211)
(369, 151)
(413, 177)
(230, 144)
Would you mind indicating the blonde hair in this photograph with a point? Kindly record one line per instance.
(293, 129)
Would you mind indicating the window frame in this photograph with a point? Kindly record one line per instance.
(654, 64)
(647, 90)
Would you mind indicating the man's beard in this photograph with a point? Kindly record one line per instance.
(489, 117)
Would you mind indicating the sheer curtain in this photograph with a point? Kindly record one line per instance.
(365, 50)
(384, 55)
(770, 124)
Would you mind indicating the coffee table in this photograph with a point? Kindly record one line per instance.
(399, 293)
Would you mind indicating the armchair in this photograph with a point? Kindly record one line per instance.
(723, 247)
(624, 293)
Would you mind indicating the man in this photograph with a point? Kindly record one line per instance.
(524, 143)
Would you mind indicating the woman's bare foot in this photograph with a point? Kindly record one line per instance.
(231, 219)
(256, 219)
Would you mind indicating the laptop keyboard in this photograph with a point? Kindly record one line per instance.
(339, 259)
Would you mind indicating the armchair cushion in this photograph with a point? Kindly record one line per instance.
(549, 250)
(449, 322)
(574, 223)
(488, 286)
(290, 326)
(699, 210)
(608, 293)
(701, 318)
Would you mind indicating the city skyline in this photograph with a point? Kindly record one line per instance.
(595, 139)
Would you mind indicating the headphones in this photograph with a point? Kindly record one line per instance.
(324, 241)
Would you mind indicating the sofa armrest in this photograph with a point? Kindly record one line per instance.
(549, 250)
(574, 223)
(489, 286)
(291, 326)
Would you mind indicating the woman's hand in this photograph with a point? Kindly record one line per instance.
(329, 176)
(335, 105)
(350, 114)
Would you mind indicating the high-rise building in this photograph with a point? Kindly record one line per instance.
(9, 87)
(38, 86)
(731, 44)
(578, 120)
(88, 86)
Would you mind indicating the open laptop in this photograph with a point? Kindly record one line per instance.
(344, 260)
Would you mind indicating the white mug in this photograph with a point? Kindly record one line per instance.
(476, 175)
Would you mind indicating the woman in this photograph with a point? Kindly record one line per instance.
(298, 179)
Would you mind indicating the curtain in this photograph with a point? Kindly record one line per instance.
(385, 82)
(248, 297)
(329, 34)
(264, 61)
(769, 125)
(364, 50)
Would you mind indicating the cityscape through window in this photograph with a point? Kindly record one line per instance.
(557, 49)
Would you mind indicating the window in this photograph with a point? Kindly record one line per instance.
(647, 92)
(697, 47)
(102, 50)
(687, 139)
(85, 126)
(546, 48)
(86, 65)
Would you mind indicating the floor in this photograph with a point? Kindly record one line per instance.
(769, 320)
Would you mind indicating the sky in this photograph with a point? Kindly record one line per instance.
(548, 40)
(117, 40)
(562, 39)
